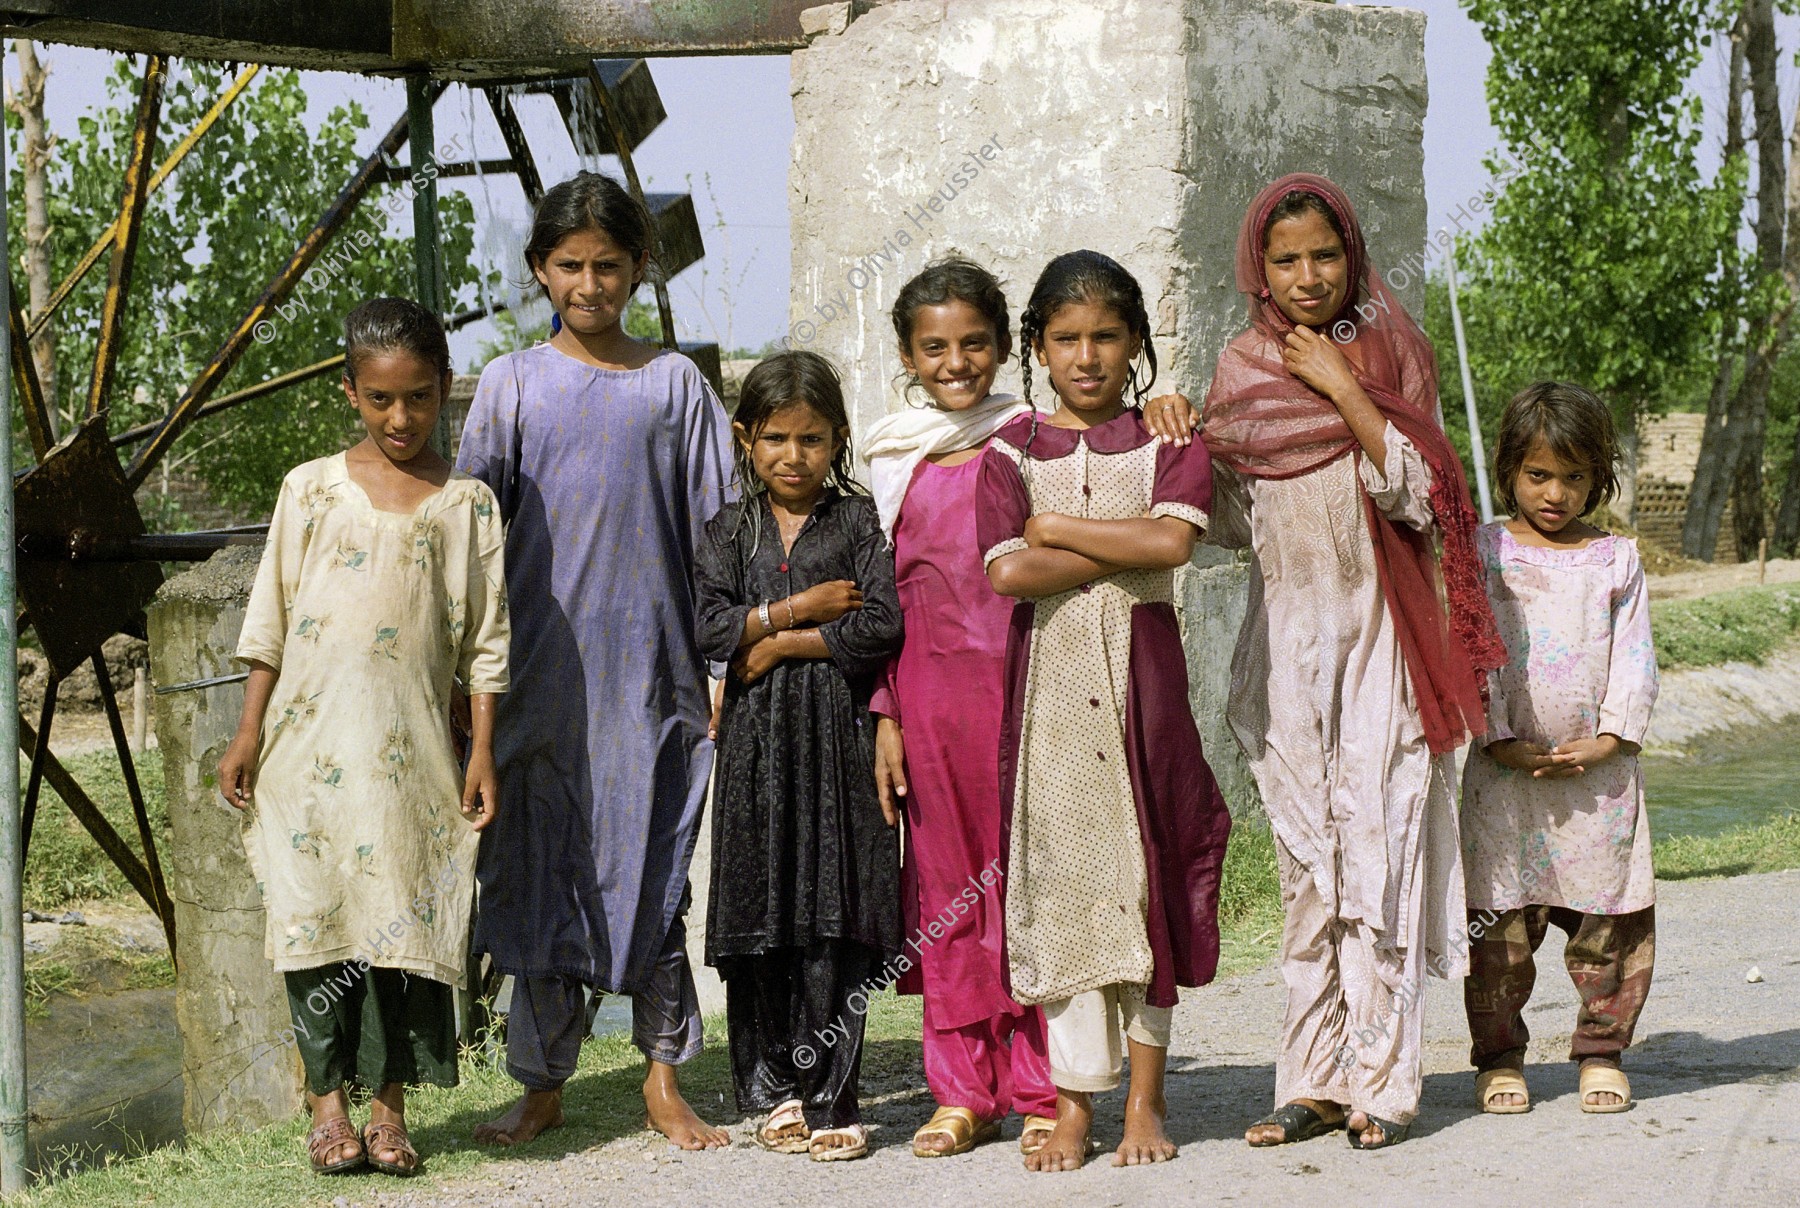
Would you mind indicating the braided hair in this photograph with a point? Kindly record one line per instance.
(1085, 276)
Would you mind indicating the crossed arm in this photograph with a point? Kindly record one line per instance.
(1067, 551)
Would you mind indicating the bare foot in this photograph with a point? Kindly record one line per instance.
(534, 1113)
(1274, 1134)
(669, 1114)
(1068, 1144)
(1145, 1140)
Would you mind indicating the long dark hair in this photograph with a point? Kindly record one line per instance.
(959, 278)
(778, 381)
(589, 201)
(389, 325)
(1576, 425)
(1073, 278)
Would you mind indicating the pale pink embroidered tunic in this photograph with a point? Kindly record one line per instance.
(1581, 663)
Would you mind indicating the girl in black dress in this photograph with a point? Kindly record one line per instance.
(795, 585)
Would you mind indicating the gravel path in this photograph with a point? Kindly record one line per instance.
(1714, 1072)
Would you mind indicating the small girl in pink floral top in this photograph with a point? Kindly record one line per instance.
(1554, 826)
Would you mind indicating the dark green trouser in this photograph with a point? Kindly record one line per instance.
(374, 1027)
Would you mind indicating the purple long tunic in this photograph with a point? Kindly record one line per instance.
(606, 479)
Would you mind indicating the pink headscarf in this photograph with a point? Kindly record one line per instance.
(1264, 422)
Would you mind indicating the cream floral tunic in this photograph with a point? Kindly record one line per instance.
(1580, 664)
(355, 831)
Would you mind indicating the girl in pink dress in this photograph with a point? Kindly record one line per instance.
(1553, 827)
(938, 741)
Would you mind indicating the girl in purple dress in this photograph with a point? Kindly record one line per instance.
(607, 455)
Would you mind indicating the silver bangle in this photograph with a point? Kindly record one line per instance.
(762, 614)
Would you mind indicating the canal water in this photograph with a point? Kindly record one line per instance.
(1732, 783)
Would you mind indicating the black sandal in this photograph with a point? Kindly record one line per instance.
(1391, 1133)
(1297, 1122)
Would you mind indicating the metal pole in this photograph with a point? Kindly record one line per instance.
(13, 1113)
(1476, 449)
(428, 263)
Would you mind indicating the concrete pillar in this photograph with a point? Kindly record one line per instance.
(237, 1072)
(1014, 130)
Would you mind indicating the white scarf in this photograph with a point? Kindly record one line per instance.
(895, 444)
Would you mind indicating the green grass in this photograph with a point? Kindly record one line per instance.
(64, 863)
(1249, 898)
(1772, 847)
(1745, 625)
(602, 1102)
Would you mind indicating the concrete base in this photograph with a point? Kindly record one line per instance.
(231, 1006)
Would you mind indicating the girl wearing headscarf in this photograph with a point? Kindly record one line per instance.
(1334, 469)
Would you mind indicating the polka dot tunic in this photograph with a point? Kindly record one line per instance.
(1117, 829)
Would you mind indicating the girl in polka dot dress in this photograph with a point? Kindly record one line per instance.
(1117, 830)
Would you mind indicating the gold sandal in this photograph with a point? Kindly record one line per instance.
(965, 1129)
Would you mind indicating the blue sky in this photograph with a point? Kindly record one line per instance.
(727, 140)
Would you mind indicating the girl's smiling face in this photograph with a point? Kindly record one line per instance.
(589, 278)
(791, 453)
(1088, 349)
(955, 354)
(1551, 491)
(397, 396)
(1308, 274)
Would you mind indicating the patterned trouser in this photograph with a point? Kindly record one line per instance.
(1609, 959)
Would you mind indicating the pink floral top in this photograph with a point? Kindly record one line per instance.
(1577, 628)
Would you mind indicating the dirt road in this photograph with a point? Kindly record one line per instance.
(1714, 1071)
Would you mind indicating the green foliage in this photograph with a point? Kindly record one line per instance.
(1733, 626)
(643, 322)
(213, 236)
(1609, 258)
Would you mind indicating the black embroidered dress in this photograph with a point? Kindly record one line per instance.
(805, 904)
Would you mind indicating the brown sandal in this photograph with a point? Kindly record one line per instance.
(329, 1137)
(388, 1135)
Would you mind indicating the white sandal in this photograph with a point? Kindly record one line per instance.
(785, 1116)
(859, 1144)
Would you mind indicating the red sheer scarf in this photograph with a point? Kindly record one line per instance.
(1264, 422)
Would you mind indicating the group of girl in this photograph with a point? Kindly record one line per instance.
(983, 641)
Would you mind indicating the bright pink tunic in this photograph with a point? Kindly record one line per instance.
(946, 689)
